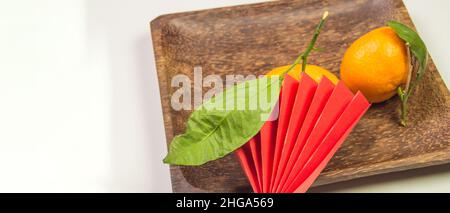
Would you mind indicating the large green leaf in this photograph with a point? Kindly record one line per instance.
(223, 123)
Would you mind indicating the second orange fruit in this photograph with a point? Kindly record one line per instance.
(376, 64)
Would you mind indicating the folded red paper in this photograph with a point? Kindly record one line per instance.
(245, 157)
(289, 90)
(289, 153)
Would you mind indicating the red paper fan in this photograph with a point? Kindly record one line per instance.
(289, 153)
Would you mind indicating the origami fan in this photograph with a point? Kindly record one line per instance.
(289, 153)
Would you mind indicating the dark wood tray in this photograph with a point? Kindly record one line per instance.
(253, 39)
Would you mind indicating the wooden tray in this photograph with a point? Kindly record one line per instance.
(253, 39)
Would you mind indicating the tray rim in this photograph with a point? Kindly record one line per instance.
(438, 157)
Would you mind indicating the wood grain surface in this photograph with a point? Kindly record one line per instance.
(253, 39)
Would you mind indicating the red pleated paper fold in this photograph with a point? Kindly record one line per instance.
(314, 119)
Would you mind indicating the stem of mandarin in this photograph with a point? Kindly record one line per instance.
(303, 57)
(313, 40)
(404, 113)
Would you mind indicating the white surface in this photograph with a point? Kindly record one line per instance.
(79, 100)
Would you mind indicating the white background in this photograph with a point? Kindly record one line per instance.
(79, 98)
